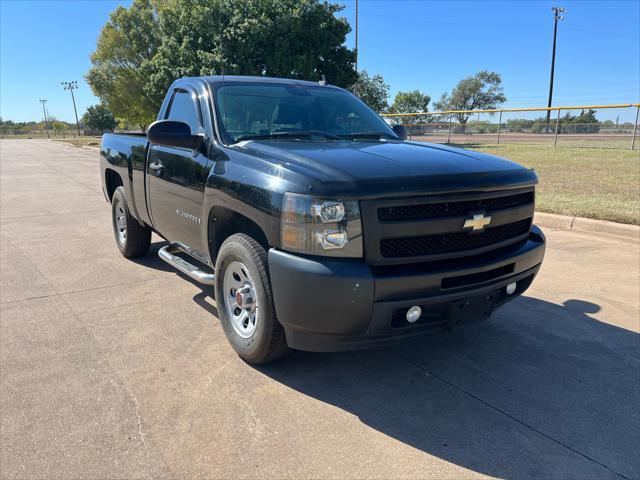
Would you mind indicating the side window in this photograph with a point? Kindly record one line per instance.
(183, 108)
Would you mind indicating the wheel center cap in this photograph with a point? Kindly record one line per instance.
(244, 299)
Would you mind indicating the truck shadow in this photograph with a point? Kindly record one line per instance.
(151, 260)
(538, 389)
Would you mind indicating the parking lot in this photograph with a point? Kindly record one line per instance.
(113, 368)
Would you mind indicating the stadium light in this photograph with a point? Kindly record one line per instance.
(71, 86)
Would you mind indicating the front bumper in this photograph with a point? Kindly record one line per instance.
(344, 304)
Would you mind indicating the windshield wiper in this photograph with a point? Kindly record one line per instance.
(370, 136)
(297, 134)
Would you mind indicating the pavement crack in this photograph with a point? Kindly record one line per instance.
(139, 419)
(83, 290)
(506, 414)
(133, 397)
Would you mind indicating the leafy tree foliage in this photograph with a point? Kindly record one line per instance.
(410, 102)
(98, 117)
(143, 49)
(122, 63)
(58, 126)
(372, 90)
(480, 91)
(586, 122)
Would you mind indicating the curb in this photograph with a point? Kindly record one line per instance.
(589, 225)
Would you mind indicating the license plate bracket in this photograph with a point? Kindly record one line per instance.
(472, 309)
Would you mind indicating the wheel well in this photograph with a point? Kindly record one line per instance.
(224, 222)
(112, 181)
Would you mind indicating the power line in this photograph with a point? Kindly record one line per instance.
(485, 26)
(582, 94)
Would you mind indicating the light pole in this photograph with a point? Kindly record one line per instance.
(71, 86)
(557, 15)
(44, 112)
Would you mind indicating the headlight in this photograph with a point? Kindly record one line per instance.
(317, 226)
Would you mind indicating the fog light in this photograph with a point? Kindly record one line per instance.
(414, 314)
(511, 288)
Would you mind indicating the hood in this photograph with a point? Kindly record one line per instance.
(378, 167)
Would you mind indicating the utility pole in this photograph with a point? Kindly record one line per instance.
(71, 86)
(356, 36)
(44, 112)
(557, 15)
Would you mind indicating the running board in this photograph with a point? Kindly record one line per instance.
(168, 255)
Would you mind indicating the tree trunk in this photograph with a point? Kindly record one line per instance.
(463, 123)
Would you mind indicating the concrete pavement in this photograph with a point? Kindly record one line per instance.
(113, 368)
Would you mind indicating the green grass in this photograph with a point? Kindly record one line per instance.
(81, 141)
(587, 182)
(602, 183)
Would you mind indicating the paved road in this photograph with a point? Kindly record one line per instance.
(112, 368)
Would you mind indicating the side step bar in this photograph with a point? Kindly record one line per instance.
(167, 254)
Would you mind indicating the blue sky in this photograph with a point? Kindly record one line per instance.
(413, 44)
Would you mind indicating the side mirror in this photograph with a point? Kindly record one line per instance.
(400, 131)
(170, 133)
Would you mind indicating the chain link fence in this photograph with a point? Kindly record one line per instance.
(581, 126)
(51, 133)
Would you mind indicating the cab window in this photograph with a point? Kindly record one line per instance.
(183, 108)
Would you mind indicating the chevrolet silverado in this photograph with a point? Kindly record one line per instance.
(319, 226)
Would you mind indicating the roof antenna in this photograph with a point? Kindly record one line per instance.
(323, 81)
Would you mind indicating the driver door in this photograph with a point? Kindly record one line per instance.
(177, 178)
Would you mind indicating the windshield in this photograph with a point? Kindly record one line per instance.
(294, 111)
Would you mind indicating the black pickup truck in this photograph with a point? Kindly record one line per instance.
(320, 227)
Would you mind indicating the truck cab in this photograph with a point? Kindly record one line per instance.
(319, 226)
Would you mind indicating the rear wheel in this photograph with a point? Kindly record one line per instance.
(245, 302)
(133, 239)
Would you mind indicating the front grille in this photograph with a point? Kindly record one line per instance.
(451, 242)
(426, 210)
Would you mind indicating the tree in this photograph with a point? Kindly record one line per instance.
(411, 102)
(58, 126)
(587, 122)
(98, 117)
(480, 91)
(278, 38)
(372, 90)
(143, 49)
(121, 64)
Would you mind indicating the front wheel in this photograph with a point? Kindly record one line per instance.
(245, 302)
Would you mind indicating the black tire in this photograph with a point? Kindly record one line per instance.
(137, 238)
(267, 342)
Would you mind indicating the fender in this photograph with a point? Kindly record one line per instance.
(246, 186)
(123, 158)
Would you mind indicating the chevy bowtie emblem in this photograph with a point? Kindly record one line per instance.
(476, 222)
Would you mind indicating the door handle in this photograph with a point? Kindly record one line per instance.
(156, 167)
